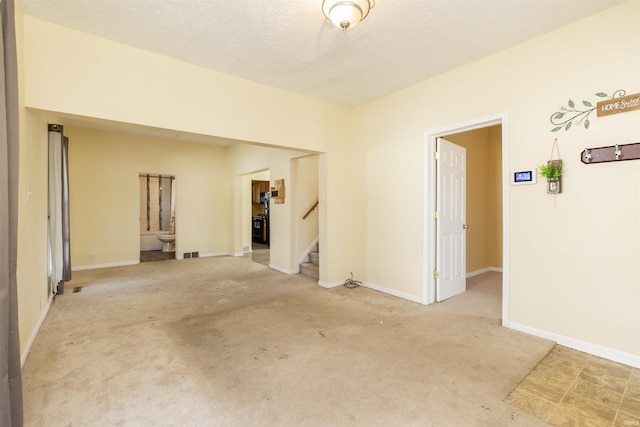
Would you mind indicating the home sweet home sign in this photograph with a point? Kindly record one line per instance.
(619, 105)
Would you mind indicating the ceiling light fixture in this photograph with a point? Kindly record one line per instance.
(346, 13)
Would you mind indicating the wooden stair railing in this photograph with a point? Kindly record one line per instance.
(315, 205)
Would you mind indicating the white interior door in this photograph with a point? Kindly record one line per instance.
(451, 228)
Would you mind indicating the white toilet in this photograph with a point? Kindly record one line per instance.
(168, 242)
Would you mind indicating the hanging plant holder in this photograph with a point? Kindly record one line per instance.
(553, 171)
(554, 184)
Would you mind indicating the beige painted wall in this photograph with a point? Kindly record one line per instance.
(567, 278)
(32, 267)
(104, 192)
(32, 272)
(158, 90)
(483, 180)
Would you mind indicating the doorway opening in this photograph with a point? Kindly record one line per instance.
(487, 214)
(261, 217)
(157, 217)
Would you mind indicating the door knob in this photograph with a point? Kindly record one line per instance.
(465, 226)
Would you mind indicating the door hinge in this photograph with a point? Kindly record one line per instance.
(436, 214)
(436, 274)
(436, 155)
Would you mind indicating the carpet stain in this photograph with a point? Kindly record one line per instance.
(152, 345)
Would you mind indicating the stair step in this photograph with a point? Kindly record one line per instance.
(314, 257)
(310, 269)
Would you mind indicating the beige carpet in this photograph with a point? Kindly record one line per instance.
(229, 342)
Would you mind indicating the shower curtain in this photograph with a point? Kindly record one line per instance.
(10, 374)
(172, 228)
(59, 239)
(55, 205)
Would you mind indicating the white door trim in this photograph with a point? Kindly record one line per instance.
(429, 285)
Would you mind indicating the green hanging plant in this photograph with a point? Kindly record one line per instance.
(551, 170)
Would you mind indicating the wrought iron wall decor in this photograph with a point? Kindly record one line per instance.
(578, 114)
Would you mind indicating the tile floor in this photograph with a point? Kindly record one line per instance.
(571, 388)
(152, 256)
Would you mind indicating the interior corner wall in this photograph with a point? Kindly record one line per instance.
(562, 282)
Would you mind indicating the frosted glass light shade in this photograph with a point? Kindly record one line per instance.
(346, 13)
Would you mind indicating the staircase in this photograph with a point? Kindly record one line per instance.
(311, 267)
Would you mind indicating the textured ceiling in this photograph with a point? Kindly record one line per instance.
(290, 45)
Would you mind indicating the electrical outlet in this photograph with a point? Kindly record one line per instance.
(92, 256)
(377, 277)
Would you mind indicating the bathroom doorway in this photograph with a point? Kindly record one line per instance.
(157, 217)
(497, 265)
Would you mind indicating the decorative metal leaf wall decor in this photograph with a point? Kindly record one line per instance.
(578, 114)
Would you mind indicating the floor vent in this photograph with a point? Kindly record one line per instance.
(187, 255)
(195, 254)
(76, 289)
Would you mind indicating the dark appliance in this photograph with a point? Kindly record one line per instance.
(258, 228)
(260, 223)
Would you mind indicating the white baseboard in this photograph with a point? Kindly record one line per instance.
(378, 288)
(283, 270)
(218, 254)
(330, 285)
(392, 292)
(34, 333)
(112, 264)
(483, 270)
(586, 347)
(304, 256)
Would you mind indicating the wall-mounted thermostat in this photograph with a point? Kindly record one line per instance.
(524, 176)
